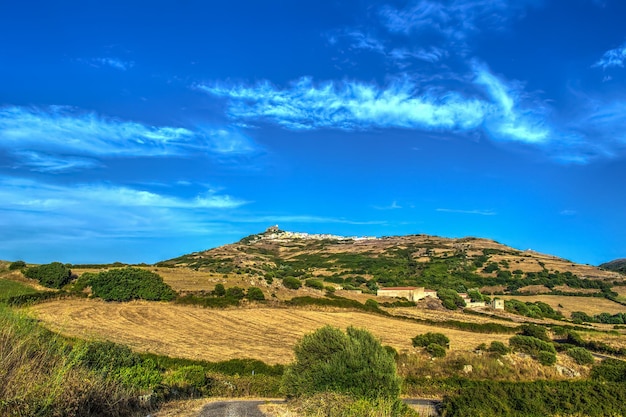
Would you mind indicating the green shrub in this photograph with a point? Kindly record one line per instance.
(53, 275)
(537, 398)
(353, 363)
(236, 293)
(143, 375)
(17, 265)
(292, 283)
(612, 370)
(546, 358)
(371, 304)
(536, 331)
(581, 355)
(255, 294)
(191, 376)
(219, 290)
(530, 345)
(498, 348)
(436, 351)
(130, 283)
(315, 283)
(83, 281)
(450, 299)
(426, 339)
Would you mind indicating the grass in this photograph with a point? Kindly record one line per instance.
(10, 288)
(262, 333)
(38, 376)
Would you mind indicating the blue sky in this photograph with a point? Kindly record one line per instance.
(138, 131)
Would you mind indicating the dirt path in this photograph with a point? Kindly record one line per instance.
(234, 408)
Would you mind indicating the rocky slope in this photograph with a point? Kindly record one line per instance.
(397, 260)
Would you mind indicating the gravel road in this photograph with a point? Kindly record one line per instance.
(245, 408)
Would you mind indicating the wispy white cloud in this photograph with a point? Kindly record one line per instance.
(509, 120)
(24, 194)
(393, 206)
(399, 55)
(400, 104)
(114, 63)
(51, 163)
(75, 221)
(454, 20)
(612, 58)
(431, 54)
(61, 138)
(349, 105)
(477, 212)
(62, 128)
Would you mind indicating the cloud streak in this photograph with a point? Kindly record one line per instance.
(612, 58)
(476, 212)
(453, 20)
(63, 138)
(494, 106)
(114, 63)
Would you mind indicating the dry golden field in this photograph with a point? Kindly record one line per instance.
(589, 305)
(264, 333)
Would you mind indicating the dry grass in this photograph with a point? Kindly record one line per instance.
(588, 305)
(264, 333)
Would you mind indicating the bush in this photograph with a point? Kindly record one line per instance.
(450, 299)
(371, 304)
(236, 293)
(292, 283)
(426, 339)
(353, 363)
(17, 265)
(612, 370)
(499, 348)
(581, 355)
(255, 294)
(436, 351)
(219, 290)
(536, 331)
(546, 358)
(53, 275)
(129, 283)
(315, 283)
(530, 345)
(191, 377)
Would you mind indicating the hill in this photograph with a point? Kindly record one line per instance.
(422, 260)
(617, 265)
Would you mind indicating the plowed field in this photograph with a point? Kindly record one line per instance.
(264, 333)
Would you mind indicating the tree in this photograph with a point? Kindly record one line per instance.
(450, 299)
(53, 275)
(423, 340)
(292, 283)
(255, 294)
(125, 284)
(353, 363)
(219, 290)
(235, 292)
(17, 265)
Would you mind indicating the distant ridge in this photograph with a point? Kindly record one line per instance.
(617, 265)
(367, 263)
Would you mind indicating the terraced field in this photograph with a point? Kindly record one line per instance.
(264, 333)
(568, 304)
